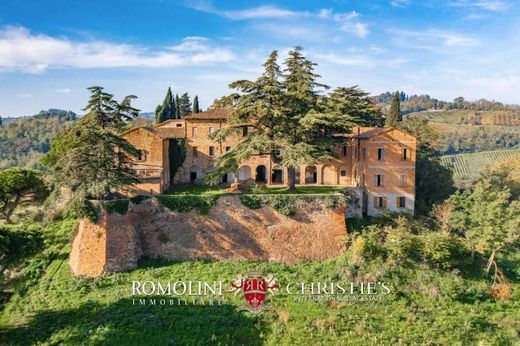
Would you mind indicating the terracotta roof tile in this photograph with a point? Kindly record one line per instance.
(210, 114)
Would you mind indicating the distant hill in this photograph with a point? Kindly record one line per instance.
(465, 126)
(467, 167)
(467, 131)
(419, 103)
(25, 139)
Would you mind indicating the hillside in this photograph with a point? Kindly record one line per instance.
(474, 131)
(466, 167)
(426, 306)
(23, 141)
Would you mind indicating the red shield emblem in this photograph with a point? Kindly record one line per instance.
(254, 291)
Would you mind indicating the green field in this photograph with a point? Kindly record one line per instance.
(467, 167)
(427, 306)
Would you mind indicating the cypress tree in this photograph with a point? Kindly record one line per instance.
(394, 116)
(167, 110)
(196, 108)
(177, 109)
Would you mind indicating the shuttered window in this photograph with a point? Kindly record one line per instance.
(380, 202)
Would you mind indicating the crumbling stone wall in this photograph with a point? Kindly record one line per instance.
(229, 231)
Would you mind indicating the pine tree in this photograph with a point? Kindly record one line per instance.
(196, 108)
(177, 107)
(184, 105)
(394, 116)
(90, 157)
(285, 115)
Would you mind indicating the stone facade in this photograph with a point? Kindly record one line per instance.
(229, 231)
(379, 161)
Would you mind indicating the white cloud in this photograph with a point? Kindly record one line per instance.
(25, 96)
(63, 91)
(432, 39)
(21, 50)
(488, 5)
(400, 3)
(348, 22)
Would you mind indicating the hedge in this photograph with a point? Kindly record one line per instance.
(185, 203)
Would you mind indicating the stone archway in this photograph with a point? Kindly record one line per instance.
(329, 175)
(311, 175)
(277, 176)
(261, 174)
(244, 173)
(195, 174)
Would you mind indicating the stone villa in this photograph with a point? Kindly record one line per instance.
(378, 164)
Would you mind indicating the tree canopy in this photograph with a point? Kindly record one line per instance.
(394, 116)
(19, 186)
(167, 110)
(284, 114)
(90, 157)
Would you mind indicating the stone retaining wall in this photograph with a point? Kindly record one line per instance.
(229, 231)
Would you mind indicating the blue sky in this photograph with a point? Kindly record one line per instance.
(51, 51)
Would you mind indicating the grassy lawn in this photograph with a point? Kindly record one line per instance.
(204, 190)
(426, 306)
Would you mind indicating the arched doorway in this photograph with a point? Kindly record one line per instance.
(329, 175)
(277, 175)
(261, 174)
(227, 178)
(195, 174)
(297, 178)
(244, 173)
(311, 175)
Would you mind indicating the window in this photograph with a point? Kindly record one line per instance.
(228, 148)
(380, 154)
(211, 151)
(379, 180)
(379, 202)
(244, 131)
(141, 156)
(363, 177)
(405, 154)
(364, 153)
(344, 150)
(401, 202)
(178, 125)
(195, 152)
(211, 129)
(194, 131)
(343, 173)
(402, 180)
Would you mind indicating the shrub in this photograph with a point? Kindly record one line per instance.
(81, 208)
(251, 201)
(185, 203)
(139, 199)
(284, 204)
(442, 249)
(116, 206)
(402, 245)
